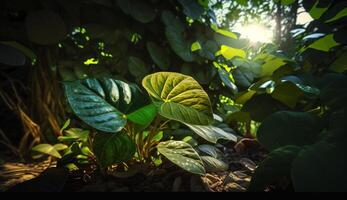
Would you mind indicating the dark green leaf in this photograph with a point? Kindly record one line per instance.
(289, 128)
(158, 55)
(111, 149)
(277, 165)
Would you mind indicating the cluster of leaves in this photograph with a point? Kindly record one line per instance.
(130, 123)
(308, 141)
(98, 46)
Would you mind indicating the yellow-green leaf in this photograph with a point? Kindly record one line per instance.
(175, 88)
(230, 52)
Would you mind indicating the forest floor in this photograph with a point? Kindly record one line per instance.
(242, 159)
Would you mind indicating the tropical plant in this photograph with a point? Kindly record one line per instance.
(308, 141)
(129, 124)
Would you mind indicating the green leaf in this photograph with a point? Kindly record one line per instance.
(210, 151)
(182, 98)
(192, 9)
(111, 149)
(66, 125)
(75, 134)
(212, 134)
(261, 106)
(11, 56)
(183, 155)
(60, 147)
(224, 32)
(21, 48)
(158, 55)
(289, 128)
(277, 165)
(316, 12)
(270, 63)
(144, 116)
(226, 78)
(214, 165)
(230, 52)
(104, 103)
(287, 2)
(175, 32)
(324, 44)
(340, 64)
(290, 93)
(48, 149)
(321, 168)
(44, 27)
(243, 78)
(341, 14)
(196, 46)
(138, 9)
(137, 67)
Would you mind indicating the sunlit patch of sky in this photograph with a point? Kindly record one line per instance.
(259, 30)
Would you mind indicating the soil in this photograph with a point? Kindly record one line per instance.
(242, 159)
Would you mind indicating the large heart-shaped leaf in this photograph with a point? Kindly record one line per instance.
(276, 166)
(158, 55)
(180, 97)
(321, 167)
(183, 155)
(289, 128)
(137, 67)
(105, 103)
(111, 149)
(138, 9)
(175, 32)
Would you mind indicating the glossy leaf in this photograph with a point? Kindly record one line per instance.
(210, 150)
(144, 116)
(214, 165)
(183, 155)
(111, 149)
(226, 79)
(212, 134)
(104, 103)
